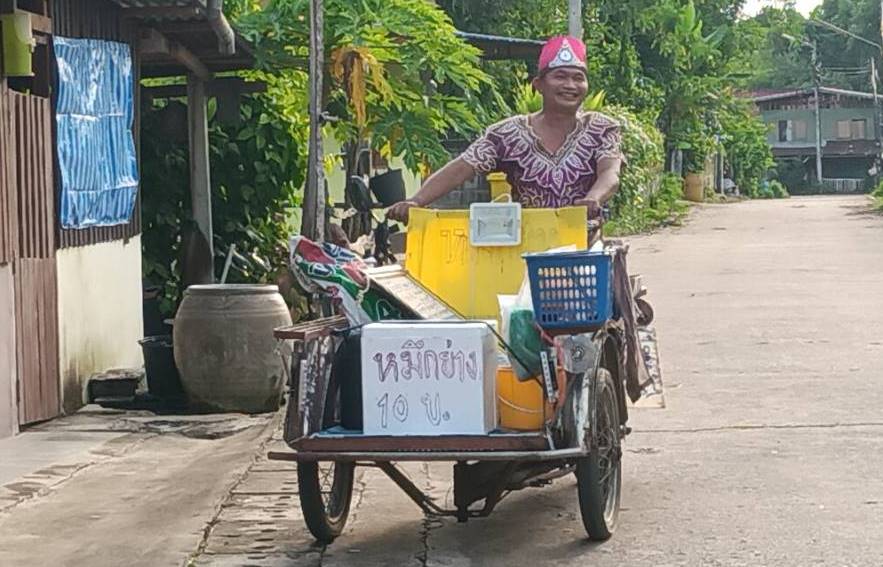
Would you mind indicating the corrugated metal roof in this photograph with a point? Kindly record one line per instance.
(809, 91)
(498, 39)
(164, 10)
(500, 47)
(160, 3)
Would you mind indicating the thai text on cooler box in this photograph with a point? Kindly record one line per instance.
(428, 378)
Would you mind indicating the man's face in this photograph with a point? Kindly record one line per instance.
(564, 88)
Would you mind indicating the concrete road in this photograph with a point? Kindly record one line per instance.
(769, 451)
(104, 488)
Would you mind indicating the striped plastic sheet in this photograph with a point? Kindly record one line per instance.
(96, 149)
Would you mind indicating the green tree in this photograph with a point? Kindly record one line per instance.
(397, 74)
(846, 60)
(256, 174)
(779, 61)
(744, 140)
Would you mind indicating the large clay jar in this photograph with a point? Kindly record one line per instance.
(694, 187)
(225, 350)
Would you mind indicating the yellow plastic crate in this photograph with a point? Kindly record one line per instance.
(468, 278)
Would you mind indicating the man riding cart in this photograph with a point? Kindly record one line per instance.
(375, 393)
(557, 157)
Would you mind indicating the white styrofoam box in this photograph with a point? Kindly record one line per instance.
(428, 378)
(495, 224)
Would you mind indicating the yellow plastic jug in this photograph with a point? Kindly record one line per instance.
(499, 185)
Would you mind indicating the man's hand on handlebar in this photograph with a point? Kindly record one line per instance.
(400, 211)
(593, 208)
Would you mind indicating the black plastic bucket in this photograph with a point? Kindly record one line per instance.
(159, 368)
(389, 187)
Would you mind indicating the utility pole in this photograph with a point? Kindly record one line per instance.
(575, 18)
(876, 102)
(877, 114)
(313, 221)
(817, 96)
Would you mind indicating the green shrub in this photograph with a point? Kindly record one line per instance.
(256, 174)
(779, 190)
(877, 194)
(769, 190)
(664, 206)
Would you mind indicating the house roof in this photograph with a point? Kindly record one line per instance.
(501, 47)
(185, 24)
(766, 96)
(831, 149)
(164, 8)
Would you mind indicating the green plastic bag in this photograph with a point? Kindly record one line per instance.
(525, 342)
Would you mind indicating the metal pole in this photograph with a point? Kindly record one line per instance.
(313, 225)
(878, 116)
(817, 92)
(575, 18)
(876, 102)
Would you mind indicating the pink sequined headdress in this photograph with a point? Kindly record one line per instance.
(562, 51)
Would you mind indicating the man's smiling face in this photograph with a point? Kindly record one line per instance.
(563, 88)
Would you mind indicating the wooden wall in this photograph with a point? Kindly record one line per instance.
(8, 201)
(30, 121)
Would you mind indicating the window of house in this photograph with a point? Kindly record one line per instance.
(799, 129)
(784, 131)
(859, 128)
(792, 130)
(844, 129)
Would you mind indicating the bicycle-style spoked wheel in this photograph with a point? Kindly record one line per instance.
(599, 475)
(326, 490)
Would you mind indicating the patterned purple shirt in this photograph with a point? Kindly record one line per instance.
(540, 179)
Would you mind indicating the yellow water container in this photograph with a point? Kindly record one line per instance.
(18, 44)
(519, 404)
(499, 185)
(469, 278)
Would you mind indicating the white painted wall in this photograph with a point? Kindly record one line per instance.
(99, 313)
(8, 407)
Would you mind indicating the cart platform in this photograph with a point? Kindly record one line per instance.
(338, 444)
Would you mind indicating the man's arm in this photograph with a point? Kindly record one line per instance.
(439, 184)
(605, 186)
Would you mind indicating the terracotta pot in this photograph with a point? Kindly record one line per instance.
(225, 350)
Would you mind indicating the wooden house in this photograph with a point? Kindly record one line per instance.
(70, 267)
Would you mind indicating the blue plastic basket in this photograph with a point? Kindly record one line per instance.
(571, 290)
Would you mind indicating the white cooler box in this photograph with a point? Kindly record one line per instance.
(428, 378)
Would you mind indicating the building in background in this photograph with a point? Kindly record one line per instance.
(850, 146)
